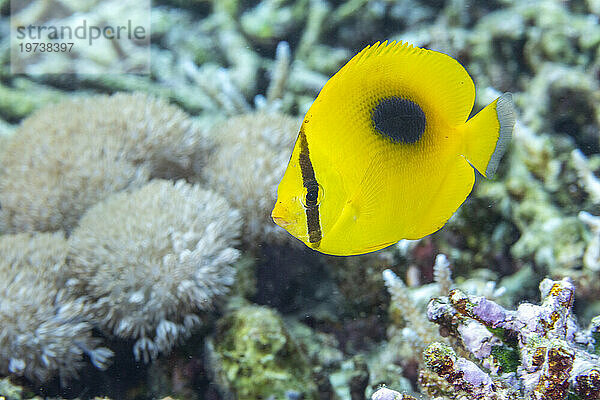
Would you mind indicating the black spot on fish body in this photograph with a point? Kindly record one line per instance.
(399, 120)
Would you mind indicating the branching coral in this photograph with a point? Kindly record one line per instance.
(535, 352)
(441, 273)
(151, 259)
(542, 195)
(42, 333)
(588, 180)
(68, 156)
(421, 332)
(250, 159)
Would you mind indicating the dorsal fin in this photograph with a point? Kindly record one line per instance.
(428, 75)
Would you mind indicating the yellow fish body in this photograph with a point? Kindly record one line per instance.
(386, 151)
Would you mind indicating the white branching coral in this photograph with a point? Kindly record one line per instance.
(149, 260)
(591, 257)
(442, 273)
(42, 334)
(251, 157)
(422, 332)
(68, 156)
(589, 181)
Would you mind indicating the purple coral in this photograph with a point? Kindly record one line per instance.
(388, 394)
(541, 344)
(459, 372)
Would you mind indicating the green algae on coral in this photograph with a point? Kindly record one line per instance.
(254, 357)
(507, 358)
(9, 390)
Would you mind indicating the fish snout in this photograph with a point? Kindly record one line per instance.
(281, 215)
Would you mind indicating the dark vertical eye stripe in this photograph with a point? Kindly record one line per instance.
(309, 181)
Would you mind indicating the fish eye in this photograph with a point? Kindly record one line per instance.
(313, 196)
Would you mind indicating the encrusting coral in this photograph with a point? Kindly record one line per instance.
(486, 351)
(251, 156)
(68, 156)
(148, 261)
(42, 332)
(253, 356)
(535, 352)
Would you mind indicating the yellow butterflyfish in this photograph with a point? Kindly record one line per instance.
(387, 151)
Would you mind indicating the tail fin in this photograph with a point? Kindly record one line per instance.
(486, 135)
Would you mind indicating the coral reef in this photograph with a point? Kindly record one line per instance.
(406, 305)
(68, 156)
(43, 333)
(388, 394)
(536, 352)
(144, 268)
(254, 357)
(462, 377)
(409, 332)
(148, 261)
(250, 159)
(541, 195)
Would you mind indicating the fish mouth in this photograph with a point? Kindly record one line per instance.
(280, 216)
(282, 222)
